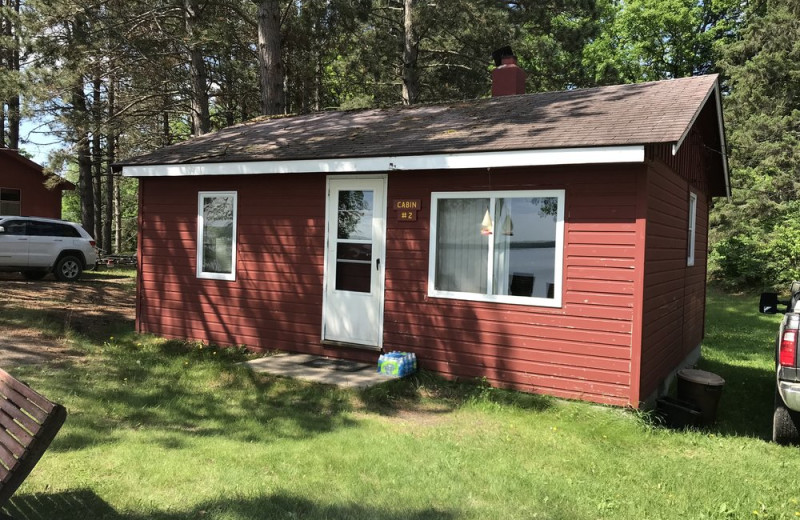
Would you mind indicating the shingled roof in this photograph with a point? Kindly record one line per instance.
(654, 112)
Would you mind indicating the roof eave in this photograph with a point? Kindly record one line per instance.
(448, 161)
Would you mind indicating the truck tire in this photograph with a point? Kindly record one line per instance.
(68, 268)
(784, 423)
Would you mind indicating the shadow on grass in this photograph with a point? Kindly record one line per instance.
(87, 311)
(83, 504)
(417, 391)
(739, 346)
(745, 407)
(262, 410)
(181, 391)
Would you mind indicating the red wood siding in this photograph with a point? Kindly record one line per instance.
(275, 301)
(36, 199)
(582, 350)
(674, 293)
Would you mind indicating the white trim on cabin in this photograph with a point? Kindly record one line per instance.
(691, 240)
(214, 275)
(451, 161)
(489, 296)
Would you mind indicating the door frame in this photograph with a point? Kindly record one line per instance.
(381, 212)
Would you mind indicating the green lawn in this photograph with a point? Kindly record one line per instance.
(167, 430)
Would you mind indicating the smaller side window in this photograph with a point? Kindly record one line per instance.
(10, 201)
(216, 235)
(14, 227)
(65, 230)
(691, 231)
(41, 229)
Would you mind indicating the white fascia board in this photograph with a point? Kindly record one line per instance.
(452, 161)
(723, 145)
(721, 127)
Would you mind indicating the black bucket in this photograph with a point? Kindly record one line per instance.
(702, 388)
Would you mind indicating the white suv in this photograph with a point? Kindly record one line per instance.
(37, 246)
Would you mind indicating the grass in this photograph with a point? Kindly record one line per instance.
(170, 430)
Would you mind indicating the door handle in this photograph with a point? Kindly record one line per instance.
(378, 264)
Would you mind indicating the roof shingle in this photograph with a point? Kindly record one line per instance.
(655, 112)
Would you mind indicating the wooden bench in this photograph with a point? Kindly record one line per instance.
(28, 423)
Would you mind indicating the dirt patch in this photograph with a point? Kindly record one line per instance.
(89, 306)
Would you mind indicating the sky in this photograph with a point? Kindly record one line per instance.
(37, 139)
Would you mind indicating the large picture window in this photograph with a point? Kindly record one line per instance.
(504, 246)
(216, 235)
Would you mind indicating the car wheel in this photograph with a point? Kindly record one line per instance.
(68, 269)
(34, 275)
(784, 423)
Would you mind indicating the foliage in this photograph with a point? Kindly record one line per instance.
(756, 233)
(117, 79)
(657, 39)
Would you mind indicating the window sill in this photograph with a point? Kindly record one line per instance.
(501, 299)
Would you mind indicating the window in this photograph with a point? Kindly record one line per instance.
(15, 227)
(504, 246)
(52, 229)
(692, 223)
(10, 202)
(216, 235)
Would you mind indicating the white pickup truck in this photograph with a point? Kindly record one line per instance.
(786, 416)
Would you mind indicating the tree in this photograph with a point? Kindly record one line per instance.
(647, 40)
(271, 72)
(10, 77)
(757, 234)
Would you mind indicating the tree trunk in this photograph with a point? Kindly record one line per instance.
(410, 51)
(97, 165)
(12, 64)
(201, 120)
(117, 217)
(84, 155)
(111, 142)
(271, 72)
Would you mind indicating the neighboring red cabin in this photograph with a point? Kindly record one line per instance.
(25, 190)
(552, 243)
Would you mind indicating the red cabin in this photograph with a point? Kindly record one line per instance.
(26, 190)
(552, 243)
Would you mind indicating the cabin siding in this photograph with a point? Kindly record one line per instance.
(582, 350)
(275, 301)
(674, 293)
(36, 199)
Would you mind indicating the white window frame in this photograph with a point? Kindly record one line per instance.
(216, 276)
(499, 298)
(690, 249)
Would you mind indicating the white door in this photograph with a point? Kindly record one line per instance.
(356, 239)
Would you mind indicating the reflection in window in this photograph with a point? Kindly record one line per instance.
(217, 235)
(504, 247)
(354, 241)
(525, 246)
